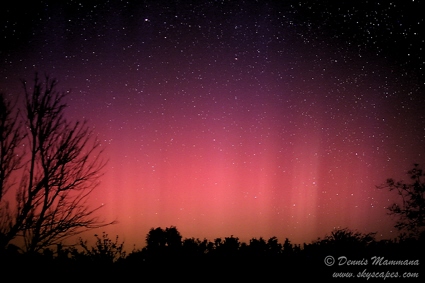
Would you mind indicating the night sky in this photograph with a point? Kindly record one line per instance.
(244, 118)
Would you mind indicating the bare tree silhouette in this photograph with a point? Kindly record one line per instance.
(10, 139)
(62, 167)
(410, 209)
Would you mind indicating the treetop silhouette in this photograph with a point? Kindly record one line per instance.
(410, 208)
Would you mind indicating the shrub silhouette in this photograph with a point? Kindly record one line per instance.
(105, 251)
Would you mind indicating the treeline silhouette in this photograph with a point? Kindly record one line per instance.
(167, 253)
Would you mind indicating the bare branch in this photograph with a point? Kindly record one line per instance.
(64, 167)
(10, 139)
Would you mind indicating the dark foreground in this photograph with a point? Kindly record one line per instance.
(383, 261)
